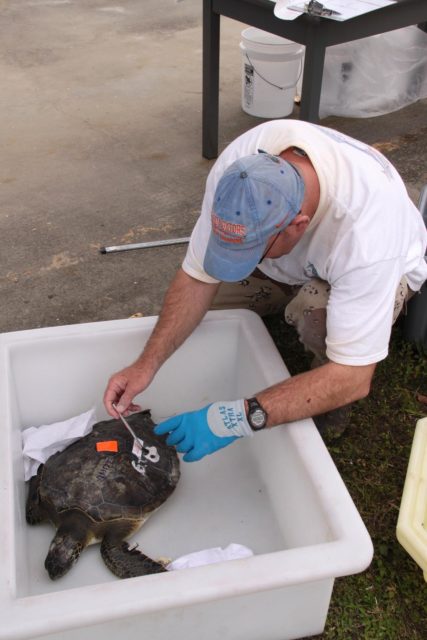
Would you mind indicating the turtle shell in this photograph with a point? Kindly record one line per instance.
(109, 485)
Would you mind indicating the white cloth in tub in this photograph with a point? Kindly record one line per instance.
(210, 556)
(39, 443)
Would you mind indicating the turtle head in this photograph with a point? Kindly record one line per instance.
(64, 550)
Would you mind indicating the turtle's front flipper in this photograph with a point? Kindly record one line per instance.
(125, 562)
(33, 511)
(65, 548)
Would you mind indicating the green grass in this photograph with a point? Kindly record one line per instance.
(388, 601)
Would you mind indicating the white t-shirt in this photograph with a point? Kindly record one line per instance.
(365, 235)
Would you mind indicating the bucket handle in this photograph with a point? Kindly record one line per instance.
(287, 86)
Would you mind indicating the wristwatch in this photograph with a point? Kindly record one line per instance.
(257, 417)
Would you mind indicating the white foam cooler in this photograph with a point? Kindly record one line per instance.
(278, 493)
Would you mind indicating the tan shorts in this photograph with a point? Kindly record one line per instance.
(304, 306)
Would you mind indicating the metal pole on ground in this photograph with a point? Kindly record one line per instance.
(143, 245)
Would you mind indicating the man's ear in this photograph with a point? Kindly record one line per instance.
(299, 224)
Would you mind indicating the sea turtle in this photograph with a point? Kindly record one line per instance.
(102, 488)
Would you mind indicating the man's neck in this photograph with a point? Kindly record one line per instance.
(309, 175)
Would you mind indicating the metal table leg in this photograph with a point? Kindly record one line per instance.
(312, 79)
(211, 33)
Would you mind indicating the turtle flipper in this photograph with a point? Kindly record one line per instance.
(125, 562)
(64, 550)
(34, 513)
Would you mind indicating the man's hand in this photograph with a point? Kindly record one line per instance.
(122, 387)
(185, 304)
(199, 433)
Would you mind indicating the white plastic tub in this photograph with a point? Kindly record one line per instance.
(279, 493)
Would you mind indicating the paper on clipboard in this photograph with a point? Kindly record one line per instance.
(343, 9)
(282, 10)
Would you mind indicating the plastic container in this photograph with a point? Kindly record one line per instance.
(279, 493)
(271, 68)
(412, 522)
(354, 87)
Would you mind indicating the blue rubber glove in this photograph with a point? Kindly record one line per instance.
(199, 433)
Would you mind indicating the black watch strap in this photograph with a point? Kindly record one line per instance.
(257, 416)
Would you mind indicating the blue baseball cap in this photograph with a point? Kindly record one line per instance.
(256, 198)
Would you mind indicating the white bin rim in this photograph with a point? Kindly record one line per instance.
(260, 40)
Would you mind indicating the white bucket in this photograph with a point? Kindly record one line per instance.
(271, 68)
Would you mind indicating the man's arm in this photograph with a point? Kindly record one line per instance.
(314, 392)
(184, 306)
(199, 433)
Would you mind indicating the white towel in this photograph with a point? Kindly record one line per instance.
(39, 443)
(210, 556)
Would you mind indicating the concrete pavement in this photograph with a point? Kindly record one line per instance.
(100, 123)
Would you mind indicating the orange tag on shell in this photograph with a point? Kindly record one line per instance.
(107, 445)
